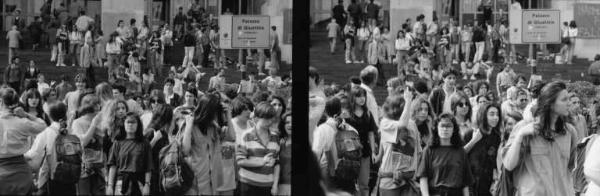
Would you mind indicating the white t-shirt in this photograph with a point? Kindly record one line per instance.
(591, 167)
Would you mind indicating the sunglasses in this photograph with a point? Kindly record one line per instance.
(154, 101)
(461, 104)
(523, 100)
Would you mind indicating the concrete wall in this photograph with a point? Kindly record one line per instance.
(400, 10)
(274, 8)
(115, 10)
(584, 48)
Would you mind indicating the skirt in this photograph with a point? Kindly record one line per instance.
(16, 176)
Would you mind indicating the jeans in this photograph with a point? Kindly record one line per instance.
(205, 53)
(189, 56)
(466, 50)
(570, 51)
(401, 57)
(251, 190)
(74, 51)
(350, 55)
(112, 64)
(479, 49)
(11, 52)
(363, 176)
(361, 49)
(54, 53)
(454, 49)
(332, 42)
(92, 185)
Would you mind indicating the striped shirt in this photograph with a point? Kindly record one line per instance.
(251, 148)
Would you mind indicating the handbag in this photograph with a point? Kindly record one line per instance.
(505, 185)
(567, 39)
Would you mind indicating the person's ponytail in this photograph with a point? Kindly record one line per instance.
(63, 126)
(58, 113)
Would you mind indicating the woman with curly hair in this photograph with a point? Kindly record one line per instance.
(538, 151)
(112, 117)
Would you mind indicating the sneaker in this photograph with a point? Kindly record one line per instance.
(348, 62)
(473, 78)
(361, 62)
(464, 77)
(357, 62)
(261, 74)
(454, 62)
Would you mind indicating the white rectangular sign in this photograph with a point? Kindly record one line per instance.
(541, 26)
(225, 31)
(250, 31)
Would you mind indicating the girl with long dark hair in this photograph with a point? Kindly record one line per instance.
(33, 105)
(157, 133)
(444, 167)
(285, 155)
(201, 145)
(539, 150)
(362, 120)
(279, 104)
(130, 160)
(482, 147)
(19, 126)
(461, 107)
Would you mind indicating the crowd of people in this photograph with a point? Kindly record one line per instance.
(139, 131)
(454, 139)
(474, 46)
(435, 136)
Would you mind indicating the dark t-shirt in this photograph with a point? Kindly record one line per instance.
(482, 159)
(446, 167)
(478, 34)
(363, 125)
(131, 156)
(372, 10)
(354, 10)
(338, 12)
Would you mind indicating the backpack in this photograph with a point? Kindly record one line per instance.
(175, 175)
(349, 153)
(68, 157)
(579, 181)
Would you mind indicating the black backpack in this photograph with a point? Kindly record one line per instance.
(349, 153)
(176, 176)
(68, 157)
